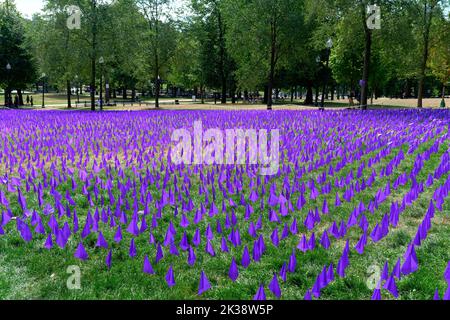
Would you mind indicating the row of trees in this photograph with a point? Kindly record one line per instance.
(235, 47)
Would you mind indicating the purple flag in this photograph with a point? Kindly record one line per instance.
(308, 296)
(274, 237)
(132, 252)
(292, 262)
(325, 240)
(170, 278)
(436, 295)
(260, 294)
(316, 289)
(343, 263)
(360, 246)
(204, 284)
(48, 243)
(410, 265)
(101, 242)
(108, 260)
(81, 253)
(184, 244)
(245, 258)
(385, 273)
(223, 245)
(173, 250)
(283, 272)
(191, 256)
(148, 269)
(376, 294)
(118, 235)
(391, 286)
(275, 287)
(234, 271)
(159, 253)
(303, 245)
(210, 249)
(397, 270)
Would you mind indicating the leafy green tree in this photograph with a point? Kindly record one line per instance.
(125, 68)
(261, 35)
(185, 64)
(161, 39)
(427, 11)
(15, 53)
(440, 53)
(215, 60)
(58, 49)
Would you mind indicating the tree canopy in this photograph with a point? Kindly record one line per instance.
(231, 47)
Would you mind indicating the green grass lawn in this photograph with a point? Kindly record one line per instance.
(30, 272)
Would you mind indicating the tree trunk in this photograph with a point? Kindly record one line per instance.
(157, 92)
(174, 92)
(156, 70)
(428, 16)
(317, 96)
(270, 92)
(69, 94)
(408, 89)
(107, 91)
(223, 73)
(124, 93)
(92, 84)
(20, 95)
(94, 52)
(273, 61)
(309, 95)
(202, 94)
(223, 96)
(367, 56)
(266, 95)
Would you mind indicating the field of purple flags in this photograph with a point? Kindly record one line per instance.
(359, 208)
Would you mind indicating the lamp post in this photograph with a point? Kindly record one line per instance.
(8, 89)
(329, 46)
(78, 89)
(101, 61)
(316, 103)
(43, 90)
(157, 90)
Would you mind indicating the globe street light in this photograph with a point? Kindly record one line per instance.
(101, 61)
(329, 45)
(43, 90)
